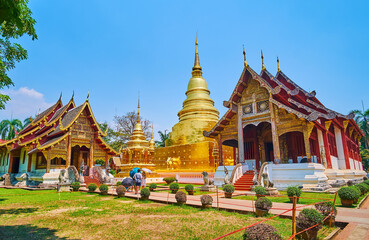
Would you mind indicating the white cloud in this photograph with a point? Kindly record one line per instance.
(24, 103)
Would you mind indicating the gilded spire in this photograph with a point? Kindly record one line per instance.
(262, 60)
(279, 69)
(196, 70)
(138, 110)
(244, 56)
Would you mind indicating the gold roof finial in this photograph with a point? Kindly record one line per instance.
(73, 94)
(88, 95)
(279, 69)
(262, 60)
(196, 70)
(138, 109)
(244, 56)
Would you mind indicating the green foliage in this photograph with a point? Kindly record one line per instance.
(153, 186)
(121, 190)
(308, 217)
(268, 232)
(228, 188)
(100, 161)
(294, 191)
(357, 191)
(263, 203)
(363, 188)
(92, 187)
(145, 192)
(181, 197)
(366, 182)
(189, 187)
(125, 124)
(325, 208)
(163, 137)
(347, 193)
(169, 180)
(259, 190)
(104, 188)
(112, 172)
(15, 21)
(118, 183)
(206, 200)
(75, 186)
(174, 186)
(111, 136)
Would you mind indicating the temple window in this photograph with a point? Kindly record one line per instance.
(58, 161)
(332, 142)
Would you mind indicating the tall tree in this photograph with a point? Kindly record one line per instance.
(125, 124)
(10, 128)
(111, 136)
(15, 21)
(362, 118)
(26, 122)
(163, 137)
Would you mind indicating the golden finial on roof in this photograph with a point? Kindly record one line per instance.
(244, 56)
(88, 95)
(279, 69)
(196, 70)
(138, 109)
(262, 61)
(60, 124)
(61, 94)
(73, 94)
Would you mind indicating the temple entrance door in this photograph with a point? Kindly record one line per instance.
(78, 155)
(15, 166)
(269, 153)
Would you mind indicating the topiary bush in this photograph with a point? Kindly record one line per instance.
(174, 187)
(121, 190)
(325, 208)
(75, 186)
(294, 191)
(153, 186)
(366, 182)
(347, 193)
(206, 200)
(145, 193)
(261, 231)
(104, 188)
(263, 203)
(357, 190)
(181, 197)
(308, 217)
(189, 187)
(118, 183)
(259, 190)
(228, 188)
(169, 180)
(362, 187)
(92, 187)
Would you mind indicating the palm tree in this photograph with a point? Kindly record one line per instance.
(362, 118)
(26, 122)
(9, 128)
(163, 136)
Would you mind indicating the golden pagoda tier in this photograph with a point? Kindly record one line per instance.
(138, 152)
(187, 150)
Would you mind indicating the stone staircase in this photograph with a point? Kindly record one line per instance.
(89, 180)
(245, 182)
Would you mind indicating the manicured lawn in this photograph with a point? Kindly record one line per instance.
(79, 215)
(306, 198)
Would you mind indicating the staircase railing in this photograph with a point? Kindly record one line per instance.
(236, 173)
(263, 168)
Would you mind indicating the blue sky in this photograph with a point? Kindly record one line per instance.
(115, 49)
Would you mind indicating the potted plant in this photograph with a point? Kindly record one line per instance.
(75, 186)
(262, 206)
(293, 191)
(206, 201)
(174, 187)
(169, 180)
(325, 208)
(181, 197)
(260, 191)
(268, 232)
(121, 191)
(307, 218)
(153, 186)
(189, 189)
(118, 183)
(145, 194)
(92, 187)
(103, 189)
(347, 196)
(358, 193)
(228, 190)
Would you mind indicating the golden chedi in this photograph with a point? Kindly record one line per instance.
(187, 150)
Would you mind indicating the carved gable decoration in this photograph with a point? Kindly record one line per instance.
(81, 128)
(254, 92)
(99, 152)
(59, 150)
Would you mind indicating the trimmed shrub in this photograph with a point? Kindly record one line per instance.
(169, 180)
(118, 183)
(206, 200)
(293, 191)
(263, 203)
(347, 193)
(363, 188)
(357, 190)
(308, 217)
(174, 186)
(259, 190)
(92, 187)
(261, 231)
(104, 188)
(189, 187)
(181, 197)
(228, 188)
(75, 186)
(325, 208)
(153, 186)
(145, 193)
(366, 182)
(121, 190)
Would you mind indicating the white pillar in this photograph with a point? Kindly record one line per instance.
(339, 144)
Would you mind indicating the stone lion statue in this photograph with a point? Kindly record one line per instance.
(266, 181)
(226, 178)
(23, 182)
(207, 181)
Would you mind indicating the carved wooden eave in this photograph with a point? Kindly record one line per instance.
(297, 87)
(107, 146)
(37, 137)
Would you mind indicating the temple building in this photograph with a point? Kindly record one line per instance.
(272, 120)
(59, 137)
(187, 149)
(138, 152)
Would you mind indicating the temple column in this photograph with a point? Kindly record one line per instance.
(69, 150)
(327, 151)
(241, 156)
(339, 145)
(306, 134)
(275, 137)
(322, 148)
(220, 147)
(10, 162)
(48, 161)
(91, 155)
(345, 149)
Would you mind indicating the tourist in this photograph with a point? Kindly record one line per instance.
(143, 179)
(137, 178)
